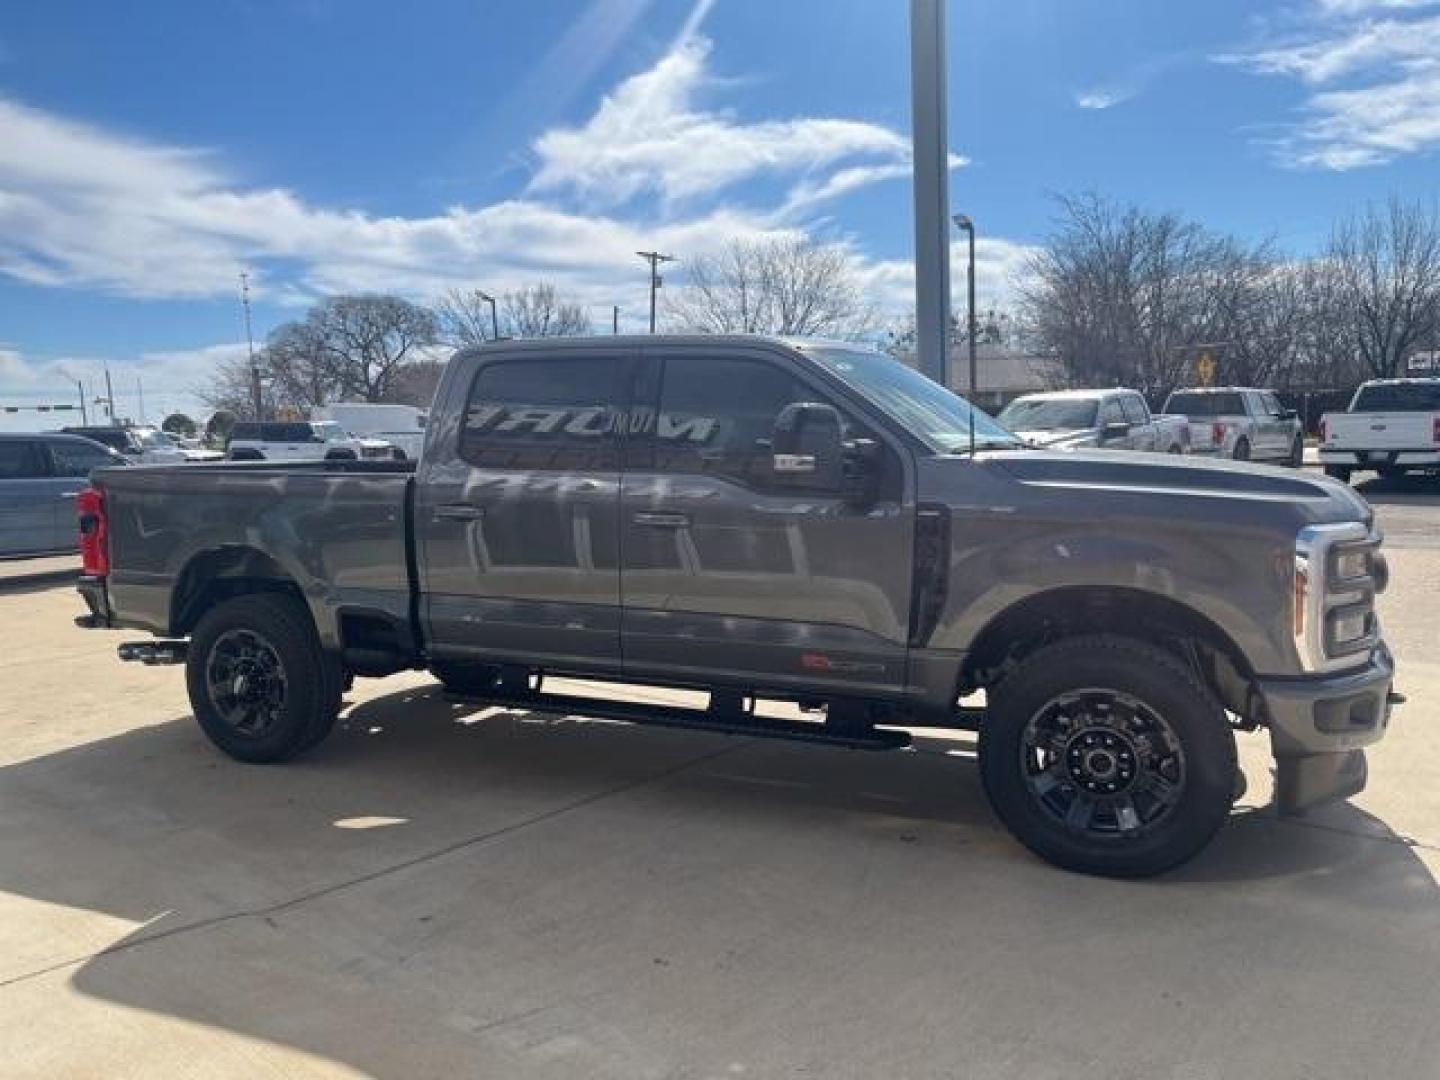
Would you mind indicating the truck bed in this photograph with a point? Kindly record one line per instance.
(338, 529)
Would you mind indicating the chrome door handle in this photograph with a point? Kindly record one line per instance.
(458, 512)
(662, 521)
(69, 494)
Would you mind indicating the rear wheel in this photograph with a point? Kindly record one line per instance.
(1338, 472)
(1108, 755)
(1242, 450)
(261, 686)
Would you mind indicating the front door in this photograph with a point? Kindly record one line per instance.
(71, 463)
(27, 499)
(517, 512)
(737, 568)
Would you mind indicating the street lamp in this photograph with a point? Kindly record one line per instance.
(494, 319)
(654, 258)
(965, 225)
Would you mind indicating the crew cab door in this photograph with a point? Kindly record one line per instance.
(517, 510)
(740, 566)
(27, 498)
(1272, 430)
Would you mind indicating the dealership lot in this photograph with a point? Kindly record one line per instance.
(445, 890)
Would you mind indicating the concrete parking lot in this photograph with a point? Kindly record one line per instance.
(445, 891)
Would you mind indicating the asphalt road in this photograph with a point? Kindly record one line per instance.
(444, 891)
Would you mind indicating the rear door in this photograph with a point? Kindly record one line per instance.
(27, 501)
(1270, 430)
(736, 572)
(1111, 412)
(517, 511)
(71, 462)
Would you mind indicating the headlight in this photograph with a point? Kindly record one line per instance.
(1338, 571)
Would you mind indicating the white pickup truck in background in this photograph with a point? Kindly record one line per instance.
(1391, 427)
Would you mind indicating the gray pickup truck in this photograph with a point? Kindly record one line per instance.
(786, 521)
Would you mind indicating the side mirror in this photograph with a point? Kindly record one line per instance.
(1289, 414)
(1115, 431)
(807, 446)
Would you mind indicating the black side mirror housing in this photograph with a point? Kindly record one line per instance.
(808, 446)
(1114, 431)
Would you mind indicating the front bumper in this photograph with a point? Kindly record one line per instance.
(1319, 727)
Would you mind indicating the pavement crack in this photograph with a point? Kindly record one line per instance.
(267, 910)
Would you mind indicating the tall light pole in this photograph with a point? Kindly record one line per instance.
(486, 298)
(931, 187)
(965, 225)
(654, 258)
(615, 319)
(258, 397)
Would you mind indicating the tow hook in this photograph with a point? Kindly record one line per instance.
(154, 653)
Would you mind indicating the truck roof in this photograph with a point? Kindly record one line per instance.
(1220, 390)
(606, 341)
(1076, 395)
(1412, 380)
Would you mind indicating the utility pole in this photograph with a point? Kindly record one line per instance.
(654, 258)
(486, 298)
(931, 187)
(255, 391)
(140, 393)
(84, 413)
(615, 319)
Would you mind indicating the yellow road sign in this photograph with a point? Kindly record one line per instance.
(1205, 368)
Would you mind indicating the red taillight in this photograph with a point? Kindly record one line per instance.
(1435, 429)
(94, 533)
(1217, 433)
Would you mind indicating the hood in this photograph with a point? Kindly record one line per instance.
(1061, 438)
(1148, 475)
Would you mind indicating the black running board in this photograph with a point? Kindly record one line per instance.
(674, 716)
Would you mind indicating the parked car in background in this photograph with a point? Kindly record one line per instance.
(1392, 426)
(1241, 423)
(124, 440)
(40, 477)
(302, 440)
(163, 442)
(402, 426)
(1089, 419)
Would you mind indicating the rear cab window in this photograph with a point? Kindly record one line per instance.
(20, 459)
(1398, 397)
(1191, 403)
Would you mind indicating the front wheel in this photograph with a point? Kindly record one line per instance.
(1107, 755)
(1338, 472)
(261, 686)
(1242, 450)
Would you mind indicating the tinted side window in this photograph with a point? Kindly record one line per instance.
(75, 458)
(20, 460)
(551, 414)
(1111, 413)
(717, 416)
(1135, 411)
(246, 431)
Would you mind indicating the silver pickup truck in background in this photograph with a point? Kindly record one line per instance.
(779, 521)
(1392, 427)
(1240, 423)
(1116, 419)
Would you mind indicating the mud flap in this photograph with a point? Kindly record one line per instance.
(1307, 780)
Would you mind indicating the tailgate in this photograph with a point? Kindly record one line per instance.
(1381, 431)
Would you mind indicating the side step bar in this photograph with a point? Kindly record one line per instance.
(154, 653)
(674, 716)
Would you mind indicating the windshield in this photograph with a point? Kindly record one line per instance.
(1223, 404)
(1398, 397)
(923, 407)
(1048, 414)
(152, 440)
(330, 432)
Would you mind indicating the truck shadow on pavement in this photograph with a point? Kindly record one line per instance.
(444, 889)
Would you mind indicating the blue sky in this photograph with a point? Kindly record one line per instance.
(150, 152)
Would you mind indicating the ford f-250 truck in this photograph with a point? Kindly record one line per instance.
(799, 521)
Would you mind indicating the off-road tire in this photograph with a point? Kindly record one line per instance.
(312, 679)
(1242, 450)
(1168, 687)
(1338, 472)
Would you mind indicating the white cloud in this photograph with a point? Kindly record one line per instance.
(1374, 82)
(1100, 99)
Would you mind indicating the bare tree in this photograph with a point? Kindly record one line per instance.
(464, 318)
(797, 287)
(535, 311)
(1386, 262)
